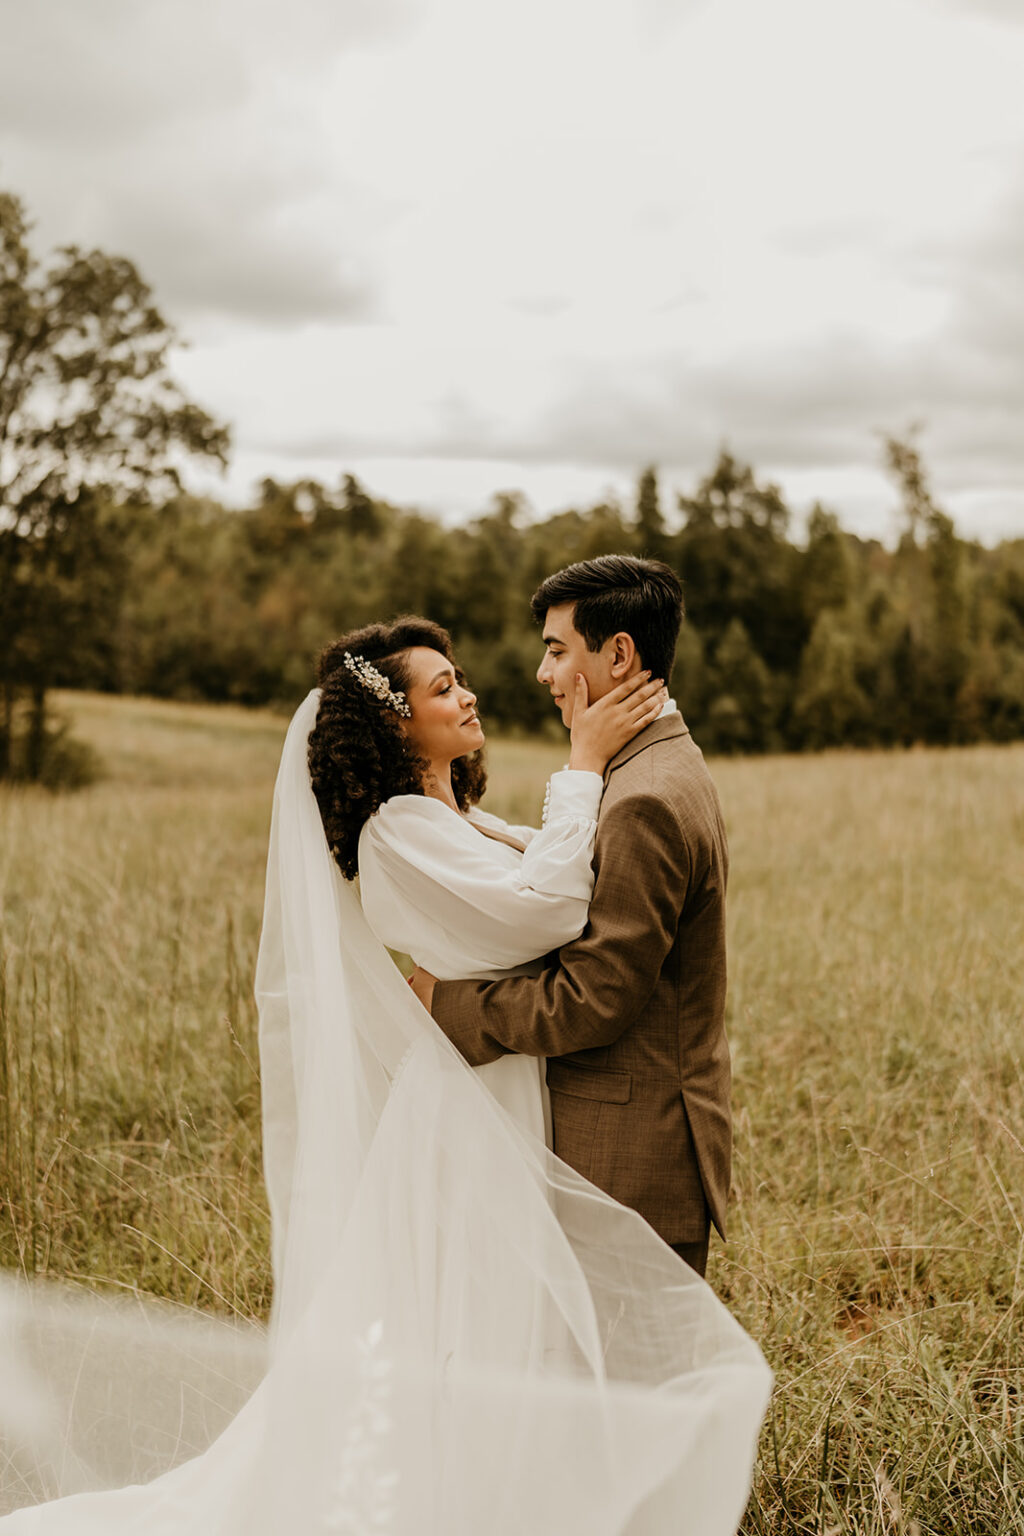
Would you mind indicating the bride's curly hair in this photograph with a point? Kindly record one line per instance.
(359, 755)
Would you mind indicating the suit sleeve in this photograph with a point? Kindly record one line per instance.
(604, 979)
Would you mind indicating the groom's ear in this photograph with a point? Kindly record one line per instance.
(623, 654)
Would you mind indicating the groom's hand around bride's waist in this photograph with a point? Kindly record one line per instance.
(423, 984)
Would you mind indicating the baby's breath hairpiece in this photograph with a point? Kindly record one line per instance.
(376, 683)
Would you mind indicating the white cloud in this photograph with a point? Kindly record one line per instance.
(995, 10)
(564, 237)
(188, 137)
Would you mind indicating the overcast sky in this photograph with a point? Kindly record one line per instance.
(456, 247)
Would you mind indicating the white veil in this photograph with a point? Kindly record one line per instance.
(467, 1337)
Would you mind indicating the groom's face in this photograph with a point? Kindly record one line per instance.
(565, 654)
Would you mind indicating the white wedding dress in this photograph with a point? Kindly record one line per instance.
(468, 1339)
(471, 896)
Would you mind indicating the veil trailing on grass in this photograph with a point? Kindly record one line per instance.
(466, 1335)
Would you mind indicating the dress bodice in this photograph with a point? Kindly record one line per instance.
(471, 896)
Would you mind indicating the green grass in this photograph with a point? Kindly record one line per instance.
(877, 975)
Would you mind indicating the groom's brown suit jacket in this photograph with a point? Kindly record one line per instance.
(631, 1018)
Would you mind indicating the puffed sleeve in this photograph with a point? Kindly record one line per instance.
(572, 795)
(560, 856)
(436, 887)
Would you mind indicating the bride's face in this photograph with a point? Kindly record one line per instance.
(443, 725)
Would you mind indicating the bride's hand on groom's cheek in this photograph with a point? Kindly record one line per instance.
(602, 729)
(422, 984)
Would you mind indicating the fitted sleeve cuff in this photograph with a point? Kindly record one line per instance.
(573, 795)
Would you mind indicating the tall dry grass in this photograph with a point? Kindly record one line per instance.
(878, 1237)
(877, 951)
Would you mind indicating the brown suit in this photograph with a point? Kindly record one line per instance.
(631, 1017)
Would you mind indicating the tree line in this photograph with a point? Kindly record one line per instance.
(828, 642)
(111, 577)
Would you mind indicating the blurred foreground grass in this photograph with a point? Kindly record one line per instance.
(877, 1024)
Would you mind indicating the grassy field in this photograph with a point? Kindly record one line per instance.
(877, 1024)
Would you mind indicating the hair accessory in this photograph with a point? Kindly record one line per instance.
(376, 683)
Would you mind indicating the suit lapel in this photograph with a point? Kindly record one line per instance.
(659, 730)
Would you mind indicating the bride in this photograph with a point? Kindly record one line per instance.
(458, 890)
(467, 1337)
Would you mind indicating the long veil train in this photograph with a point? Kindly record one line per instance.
(466, 1336)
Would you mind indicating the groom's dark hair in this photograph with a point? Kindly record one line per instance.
(619, 593)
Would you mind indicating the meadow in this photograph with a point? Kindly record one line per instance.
(876, 1015)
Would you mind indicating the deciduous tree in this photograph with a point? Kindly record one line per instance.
(89, 412)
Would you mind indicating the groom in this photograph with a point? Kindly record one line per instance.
(631, 1015)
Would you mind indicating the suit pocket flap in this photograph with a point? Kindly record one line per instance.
(589, 1082)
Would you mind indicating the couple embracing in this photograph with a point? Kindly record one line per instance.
(490, 1225)
(626, 881)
